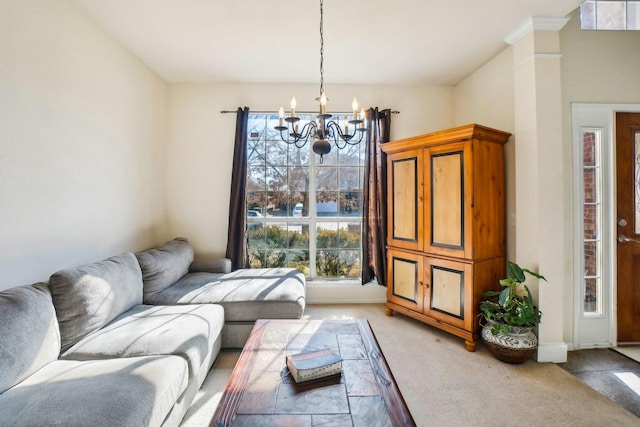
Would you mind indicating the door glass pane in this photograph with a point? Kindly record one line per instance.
(592, 209)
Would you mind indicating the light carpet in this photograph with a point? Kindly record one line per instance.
(632, 351)
(445, 385)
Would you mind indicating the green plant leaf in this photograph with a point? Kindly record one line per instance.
(515, 272)
(534, 274)
(507, 282)
(505, 297)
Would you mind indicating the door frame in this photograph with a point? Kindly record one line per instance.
(596, 330)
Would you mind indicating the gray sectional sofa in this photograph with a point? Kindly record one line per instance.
(128, 341)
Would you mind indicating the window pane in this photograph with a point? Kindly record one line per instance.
(590, 258)
(588, 15)
(590, 222)
(277, 203)
(350, 203)
(352, 155)
(255, 152)
(326, 203)
(592, 194)
(256, 178)
(327, 179)
(327, 235)
(327, 262)
(299, 259)
(298, 178)
(298, 236)
(349, 263)
(277, 153)
(590, 305)
(349, 235)
(633, 15)
(610, 15)
(256, 203)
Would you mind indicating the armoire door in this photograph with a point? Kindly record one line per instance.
(405, 282)
(405, 177)
(448, 195)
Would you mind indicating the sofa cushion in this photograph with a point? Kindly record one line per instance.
(138, 391)
(29, 336)
(164, 265)
(88, 297)
(245, 294)
(190, 331)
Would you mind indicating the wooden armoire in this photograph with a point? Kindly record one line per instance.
(446, 226)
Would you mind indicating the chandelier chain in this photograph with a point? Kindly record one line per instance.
(321, 48)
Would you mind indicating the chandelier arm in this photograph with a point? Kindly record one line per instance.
(340, 138)
(307, 130)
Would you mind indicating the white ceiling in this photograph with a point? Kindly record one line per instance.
(435, 42)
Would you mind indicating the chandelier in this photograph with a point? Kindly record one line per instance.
(322, 130)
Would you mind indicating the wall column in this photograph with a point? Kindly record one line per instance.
(540, 207)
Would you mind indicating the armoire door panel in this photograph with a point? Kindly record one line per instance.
(449, 296)
(405, 279)
(447, 291)
(447, 200)
(406, 187)
(405, 194)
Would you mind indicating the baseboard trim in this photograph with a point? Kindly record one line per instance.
(554, 352)
(345, 293)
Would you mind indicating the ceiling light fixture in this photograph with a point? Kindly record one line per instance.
(323, 129)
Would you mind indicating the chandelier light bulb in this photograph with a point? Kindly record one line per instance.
(323, 103)
(281, 116)
(293, 106)
(354, 107)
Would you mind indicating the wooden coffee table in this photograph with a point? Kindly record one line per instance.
(262, 393)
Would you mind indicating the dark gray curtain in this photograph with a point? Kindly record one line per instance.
(237, 245)
(374, 221)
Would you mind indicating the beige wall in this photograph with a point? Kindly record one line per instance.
(486, 97)
(81, 143)
(200, 141)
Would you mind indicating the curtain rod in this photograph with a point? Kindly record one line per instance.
(275, 112)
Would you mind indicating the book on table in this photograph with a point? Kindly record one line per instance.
(314, 365)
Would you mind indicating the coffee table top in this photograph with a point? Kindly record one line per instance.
(262, 393)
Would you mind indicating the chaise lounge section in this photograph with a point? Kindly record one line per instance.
(171, 277)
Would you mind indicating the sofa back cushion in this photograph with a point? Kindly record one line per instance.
(164, 265)
(29, 335)
(88, 297)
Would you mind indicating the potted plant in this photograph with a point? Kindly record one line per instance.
(510, 317)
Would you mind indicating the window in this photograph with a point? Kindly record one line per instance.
(592, 207)
(610, 15)
(301, 213)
